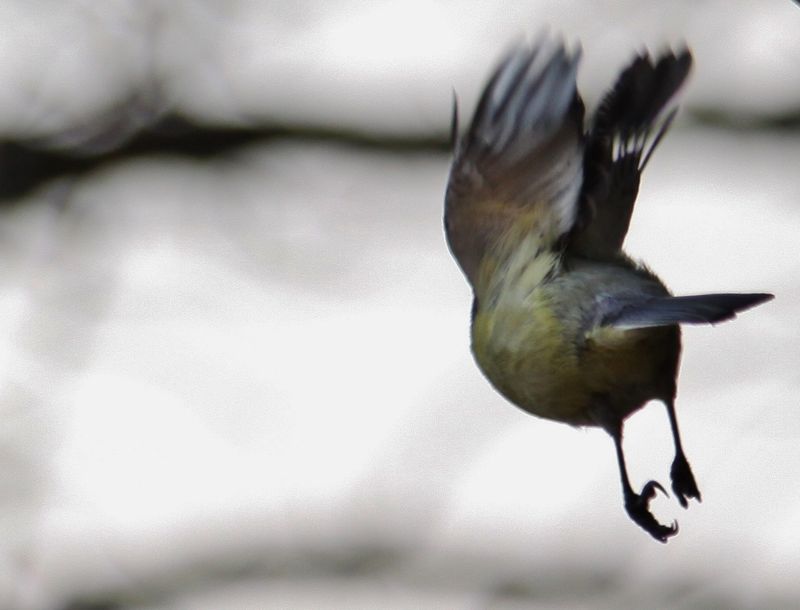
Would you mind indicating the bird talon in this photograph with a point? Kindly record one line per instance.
(638, 509)
(649, 490)
(683, 483)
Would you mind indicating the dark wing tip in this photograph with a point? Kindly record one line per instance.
(641, 91)
(627, 127)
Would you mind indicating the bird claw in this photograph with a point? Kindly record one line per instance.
(638, 509)
(683, 483)
(649, 490)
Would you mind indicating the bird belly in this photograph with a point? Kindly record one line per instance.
(525, 355)
(533, 360)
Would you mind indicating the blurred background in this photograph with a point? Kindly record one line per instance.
(235, 367)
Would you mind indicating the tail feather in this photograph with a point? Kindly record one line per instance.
(694, 309)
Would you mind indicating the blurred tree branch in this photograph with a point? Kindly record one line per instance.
(136, 129)
(26, 165)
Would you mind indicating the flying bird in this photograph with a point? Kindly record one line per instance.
(564, 323)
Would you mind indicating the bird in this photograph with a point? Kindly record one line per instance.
(564, 323)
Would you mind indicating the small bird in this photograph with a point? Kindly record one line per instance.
(565, 324)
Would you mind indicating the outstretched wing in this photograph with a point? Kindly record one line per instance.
(521, 156)
(627, 128)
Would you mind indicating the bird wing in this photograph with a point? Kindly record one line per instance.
(642, 311)
(626, 129)
(520, 159)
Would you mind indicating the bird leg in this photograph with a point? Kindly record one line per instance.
(683, 483)
(638, 505)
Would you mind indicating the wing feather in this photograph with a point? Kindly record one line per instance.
(627, 127)
(521, 155)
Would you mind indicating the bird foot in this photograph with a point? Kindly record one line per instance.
(683, 483)
(638, 509)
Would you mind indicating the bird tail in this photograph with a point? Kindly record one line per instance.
(694, 309)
